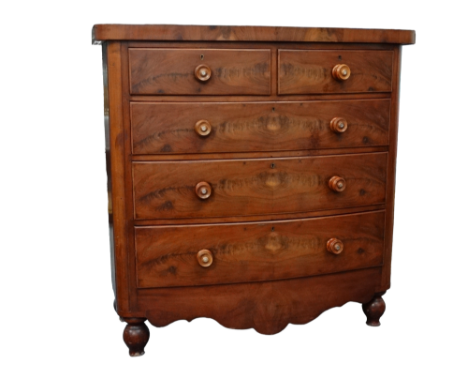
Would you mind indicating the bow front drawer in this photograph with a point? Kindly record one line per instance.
(223, 188)
(234, 253)
(200, 71)
(334, 71)
(167, 128)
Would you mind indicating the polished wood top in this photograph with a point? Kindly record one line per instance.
(106, 32)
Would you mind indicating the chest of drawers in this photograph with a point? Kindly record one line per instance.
(251, 172)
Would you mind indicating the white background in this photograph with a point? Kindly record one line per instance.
(57, 320)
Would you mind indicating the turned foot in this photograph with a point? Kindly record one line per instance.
(136, 336)
(374, 309)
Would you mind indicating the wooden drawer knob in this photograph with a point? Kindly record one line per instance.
(205, 258)
(203, 127)
(203, 73)
(341, 72)
(203, 190)
(335, 246)
(338, 125)
(337, 183)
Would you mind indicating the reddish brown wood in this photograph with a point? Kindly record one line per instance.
(103, 32)
(391, 174)
(273, 47)
(335, 246)
(337, 183)
(168, 128)
(259, 154)
(339, 125)
(205, 258)
(136, 336)
(310, 71)
(374, 309)
(178, 71)
(265, 98)
(252, 187)
(268, 307)
(203, 190)
(253, 218)
(203, 127)
(115, 148)
(258, 116)
(129, 205)
(203, 73)
(166, 256)
(341, 72)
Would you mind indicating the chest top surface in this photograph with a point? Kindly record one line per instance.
(109, 32)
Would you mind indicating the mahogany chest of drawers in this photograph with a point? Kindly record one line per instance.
(251, 172)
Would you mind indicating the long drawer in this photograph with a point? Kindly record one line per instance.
(334, 71)
(232, 253)
(200, 71)
(216, 127)
(222, 188)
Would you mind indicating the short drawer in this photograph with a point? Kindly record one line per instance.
(167, 128)
(221, 188)
(200, 71)
(334, 71)
(230, 253)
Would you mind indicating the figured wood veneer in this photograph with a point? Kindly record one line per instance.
(216, 33)
(256, 186)
(166, 256)
(168, 128)
(178, 71)
(251, 172)
(268, 307)
(311, 71)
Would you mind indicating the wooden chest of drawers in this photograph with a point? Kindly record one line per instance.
(251, 172)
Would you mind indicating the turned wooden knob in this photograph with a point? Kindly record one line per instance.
(337, 183)
(203, 190)
(338, 125)
(341, 72)
(203, 72)
(335, 246)
(205, 258)
(203, 127)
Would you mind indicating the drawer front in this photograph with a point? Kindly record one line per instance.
(311, 71)
(167, 128)
(222, 188)
(200, 71)
(169, 256)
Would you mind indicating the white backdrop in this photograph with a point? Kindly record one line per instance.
(57, 320)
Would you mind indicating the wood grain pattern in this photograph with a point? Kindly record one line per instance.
(257, 186)
(172, 71)
(169, 128)
(115, 142)
(103, 32)
(255, 98)
(268, 307)
(374, 309)
(269, 240)
(391, 174)
(167, 256)
(136, 335)
(310, 71)
(129, 208)
(244, 219)
(258, 154)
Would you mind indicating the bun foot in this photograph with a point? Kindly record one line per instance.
(374, 309)
(136, 335)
